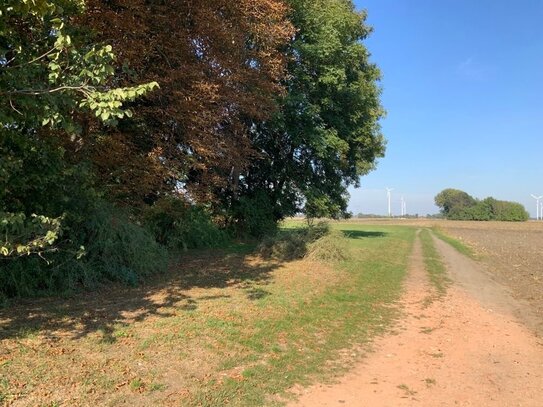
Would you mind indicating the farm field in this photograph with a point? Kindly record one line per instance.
(226, 326)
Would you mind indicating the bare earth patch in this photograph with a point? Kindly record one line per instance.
(462, 349)
(513, 253)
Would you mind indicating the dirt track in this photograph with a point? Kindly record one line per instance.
(511, 252)
(465, 349)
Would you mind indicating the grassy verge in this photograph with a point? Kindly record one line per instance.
(303, 343)
(457, 244)
(226, 328)
(433, 263)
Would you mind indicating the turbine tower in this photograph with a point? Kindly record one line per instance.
(389, 190)
(537, 215)
(404, 207)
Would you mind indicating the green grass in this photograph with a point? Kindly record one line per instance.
(235, 329)
(312, 334)
(457, 244)
(433, 263)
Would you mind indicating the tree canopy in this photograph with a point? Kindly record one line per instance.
(459, 205)
(325, 133)
(128, 127)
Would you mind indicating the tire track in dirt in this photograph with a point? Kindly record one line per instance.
(464, 349)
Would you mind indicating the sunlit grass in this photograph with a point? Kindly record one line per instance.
(303, 343)
(241, 330)
(434, 263)
(461, 247)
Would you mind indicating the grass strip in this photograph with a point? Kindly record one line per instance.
(457, 244)
(224, 327)
(306, 343)
(433, 263)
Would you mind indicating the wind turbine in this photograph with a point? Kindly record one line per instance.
(404, 207)
(389, 190)
(537, 198)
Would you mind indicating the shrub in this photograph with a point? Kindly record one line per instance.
(254, 215)
(179, 225)
(117, 249)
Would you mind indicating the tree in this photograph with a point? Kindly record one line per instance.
(46, 74)
(326, 133)
(458, 205)
(220, 66)
(453, 201)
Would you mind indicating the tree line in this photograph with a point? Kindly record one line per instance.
(459, 205)
(133, 128)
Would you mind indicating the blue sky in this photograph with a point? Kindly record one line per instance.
(463, 89)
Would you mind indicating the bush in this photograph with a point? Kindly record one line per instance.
(254, 215)
(117, 249)
(179, 225)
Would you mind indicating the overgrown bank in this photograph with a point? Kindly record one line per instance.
(226, 328)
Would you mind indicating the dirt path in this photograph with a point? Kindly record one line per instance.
(465, 349)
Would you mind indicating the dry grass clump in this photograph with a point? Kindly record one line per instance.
(330, 248)
(292, 244)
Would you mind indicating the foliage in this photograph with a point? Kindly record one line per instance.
(458, 205)
(179, 225)
(39, 192)
(326, 133)
(219, 64)
(453, 200)
(45, 73)
(253, 215)
(23, 236)
(45, 78)
(265, 108)
(116, 249)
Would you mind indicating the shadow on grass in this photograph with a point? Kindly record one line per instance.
(116, 306)
(362, 234)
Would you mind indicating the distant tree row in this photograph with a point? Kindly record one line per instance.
(459, 205)
(129, 127)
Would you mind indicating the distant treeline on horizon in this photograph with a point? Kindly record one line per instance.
(459, 205)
